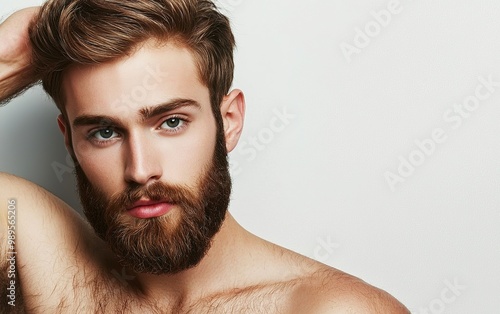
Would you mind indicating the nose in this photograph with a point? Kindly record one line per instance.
(142, 160)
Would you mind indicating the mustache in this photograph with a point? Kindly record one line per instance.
(156, 191)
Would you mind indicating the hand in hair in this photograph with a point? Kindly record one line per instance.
(16, 73)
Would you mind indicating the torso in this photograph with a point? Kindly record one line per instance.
(117, 296)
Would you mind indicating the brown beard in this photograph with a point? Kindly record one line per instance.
(166, 244)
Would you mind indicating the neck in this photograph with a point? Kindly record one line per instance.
(223, 265)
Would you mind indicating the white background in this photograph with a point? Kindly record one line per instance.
(317, 183)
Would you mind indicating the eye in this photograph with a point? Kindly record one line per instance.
(173, 124)
(104, 134)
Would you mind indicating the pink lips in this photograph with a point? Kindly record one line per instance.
(149, 209)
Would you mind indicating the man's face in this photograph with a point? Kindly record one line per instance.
(151, 163)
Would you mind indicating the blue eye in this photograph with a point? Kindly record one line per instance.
(172, 124)
(104, 134)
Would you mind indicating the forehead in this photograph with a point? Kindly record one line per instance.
(150, 75)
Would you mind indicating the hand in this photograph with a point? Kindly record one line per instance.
(16, 73)
(15, 49)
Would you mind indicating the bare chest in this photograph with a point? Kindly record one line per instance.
(269, 299)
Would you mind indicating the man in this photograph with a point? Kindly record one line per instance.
(148, 117)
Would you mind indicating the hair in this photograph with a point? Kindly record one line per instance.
(89, 32)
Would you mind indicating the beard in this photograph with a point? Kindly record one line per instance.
(167, 244)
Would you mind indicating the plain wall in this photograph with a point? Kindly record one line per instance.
(369, 142)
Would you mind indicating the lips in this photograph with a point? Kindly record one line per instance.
(149, 209)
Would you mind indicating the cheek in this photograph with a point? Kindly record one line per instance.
(102, 170)
(192, 152)
(184, 162)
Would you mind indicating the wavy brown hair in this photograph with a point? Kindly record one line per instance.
(85, 32)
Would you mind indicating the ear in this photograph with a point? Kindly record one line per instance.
(233, 115)
(61, 122)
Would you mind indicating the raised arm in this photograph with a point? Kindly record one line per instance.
(16, 73)
(57, 254)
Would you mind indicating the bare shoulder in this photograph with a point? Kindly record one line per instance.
(316, 288)
(329, 290)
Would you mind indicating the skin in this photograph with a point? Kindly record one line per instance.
(14, 52)
(149, 150)
(64, 267)
(15, 73)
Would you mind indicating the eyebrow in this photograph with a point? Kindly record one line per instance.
(145, 113)
(149, 112)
